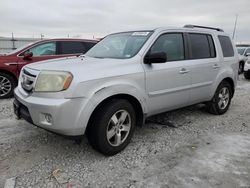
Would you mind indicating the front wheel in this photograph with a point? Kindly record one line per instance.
(221, 100)
(7, 85)
(112, 127)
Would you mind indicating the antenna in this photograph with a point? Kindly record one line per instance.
(235, 24)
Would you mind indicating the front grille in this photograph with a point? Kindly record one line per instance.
(27, 80)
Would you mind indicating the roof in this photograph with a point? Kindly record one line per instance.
(189, 28)
(69, 39)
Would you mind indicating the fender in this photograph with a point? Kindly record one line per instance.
(95, 96)
(108, 91)
(224, 73)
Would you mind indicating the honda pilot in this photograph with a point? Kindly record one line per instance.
(126, 78)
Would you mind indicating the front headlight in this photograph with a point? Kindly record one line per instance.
(53, 81)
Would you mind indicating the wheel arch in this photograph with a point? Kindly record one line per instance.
(231, 82)
(140, 114)
(9, 73)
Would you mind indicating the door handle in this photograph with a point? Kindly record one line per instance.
(11, 64)
(183, 71)
(216, 66)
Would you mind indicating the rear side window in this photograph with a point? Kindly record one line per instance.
(202, 46)
(226, 45)
(71, 47)
(172, 44)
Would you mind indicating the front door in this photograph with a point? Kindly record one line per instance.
(168, 84)
(44, 51)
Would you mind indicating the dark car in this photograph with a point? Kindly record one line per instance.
(12, 63)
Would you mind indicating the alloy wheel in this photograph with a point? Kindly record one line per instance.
(223, 98)
(118, 128)
(5, 86)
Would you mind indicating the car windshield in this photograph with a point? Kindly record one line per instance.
(120, 46)
(20, 48)
(241, 51)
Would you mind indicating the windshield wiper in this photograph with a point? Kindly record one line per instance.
(99, 57)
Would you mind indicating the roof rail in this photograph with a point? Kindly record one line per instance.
(203, 27)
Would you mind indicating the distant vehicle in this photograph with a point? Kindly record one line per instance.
(247, 67)
(243, 50)
(126, 78)
(12, 63)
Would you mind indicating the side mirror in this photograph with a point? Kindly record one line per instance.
(158, 57)
(28, 56)
(248, 55)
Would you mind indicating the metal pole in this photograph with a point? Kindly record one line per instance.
(13, 41)
(235, 24)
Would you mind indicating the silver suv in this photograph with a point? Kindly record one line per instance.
(126, 78)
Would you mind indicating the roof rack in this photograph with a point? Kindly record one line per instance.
(203, 27)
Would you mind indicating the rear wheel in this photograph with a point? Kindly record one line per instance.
(112, 127)
(7, 85)
(221, 100)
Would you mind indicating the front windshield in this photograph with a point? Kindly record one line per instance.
(20, 48)
(120, 45)
(241, 51)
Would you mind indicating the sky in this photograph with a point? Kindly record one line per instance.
(97, 18)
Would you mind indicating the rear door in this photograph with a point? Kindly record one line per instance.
(168, 83)
(204, 65)
(71, 48)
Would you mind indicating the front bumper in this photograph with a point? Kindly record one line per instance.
(65, 115)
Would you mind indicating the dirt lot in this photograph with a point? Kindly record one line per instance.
(182, 148)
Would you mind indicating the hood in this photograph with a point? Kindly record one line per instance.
(86, 68)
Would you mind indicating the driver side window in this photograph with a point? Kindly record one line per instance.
(43, 49)
(172, 44)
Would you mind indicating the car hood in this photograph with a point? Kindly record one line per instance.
(86, 68)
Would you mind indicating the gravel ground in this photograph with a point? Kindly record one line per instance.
(182, 148)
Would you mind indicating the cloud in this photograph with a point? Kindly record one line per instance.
(58, 18)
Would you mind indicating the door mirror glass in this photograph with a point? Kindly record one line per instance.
(157, 57)
(28, 56)
(248, 54)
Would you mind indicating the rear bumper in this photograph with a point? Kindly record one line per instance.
(62, 116)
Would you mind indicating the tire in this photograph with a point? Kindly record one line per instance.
(107, 119)
(7, 85)
(220, 102)
(247, 75)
